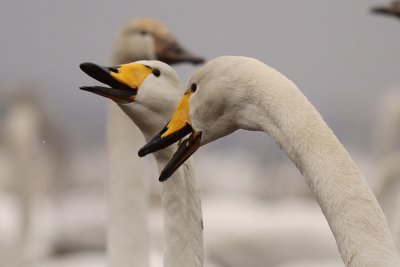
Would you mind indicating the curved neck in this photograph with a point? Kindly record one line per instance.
(350, 207)
(183, 221)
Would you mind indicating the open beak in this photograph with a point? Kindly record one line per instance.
(168, 50)
(177, 128)
(123, 80)
(185, 150)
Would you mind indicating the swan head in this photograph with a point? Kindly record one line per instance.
(147, 91)
(147, 38)
(212, 106)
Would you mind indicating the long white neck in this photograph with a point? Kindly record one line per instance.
(179, 198)
(183, 222)
(351, 209)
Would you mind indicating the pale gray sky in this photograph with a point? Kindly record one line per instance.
(340, 56)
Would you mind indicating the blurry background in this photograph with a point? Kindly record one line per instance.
(341, 56)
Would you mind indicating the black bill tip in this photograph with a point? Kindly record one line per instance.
(185, 150)
(158, 142)
(191, 58)
(103, 75)
(379, 10)
(119, 96)
(181, 58)
(385, 11)
(151, 146)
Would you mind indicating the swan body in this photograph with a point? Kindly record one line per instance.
(151, 100)
(230, 93)
(128, 237)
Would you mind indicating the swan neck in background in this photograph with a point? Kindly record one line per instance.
(127, 232)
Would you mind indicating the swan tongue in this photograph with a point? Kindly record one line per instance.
(185, 150)
(158, 142)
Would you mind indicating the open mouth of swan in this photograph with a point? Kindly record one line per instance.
(118, 91)
(185, 149)
(177, 128)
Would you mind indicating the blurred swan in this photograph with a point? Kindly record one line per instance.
(128, 243)
(34, 162)
(230, 93)
(386, 139)
(387, 158)
(149, 99)
(243, 231)
(387, 191)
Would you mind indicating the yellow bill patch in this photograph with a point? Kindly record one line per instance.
(132, 75)
(180, 116)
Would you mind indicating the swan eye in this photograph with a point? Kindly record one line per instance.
(156, 72)
(193, 87)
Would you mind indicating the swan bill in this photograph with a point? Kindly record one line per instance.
(168, 50)
(102, 74)
(119, 96)
(160, 142)
(178, 127)
(382, 10)
(185, 150)
(124, 80)
(393, 10)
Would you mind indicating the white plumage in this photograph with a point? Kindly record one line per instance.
(231, 93)
(128, 234)
(157, 88)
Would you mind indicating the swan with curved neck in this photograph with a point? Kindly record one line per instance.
(127, 234)
(147, 92)
(230, 93)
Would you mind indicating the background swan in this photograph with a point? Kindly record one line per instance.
(128, 237)
(33, 167)
(386, 154)
(229, 93)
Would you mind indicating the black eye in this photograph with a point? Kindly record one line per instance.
(156, 72)
(193, 87)
(143, 32)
